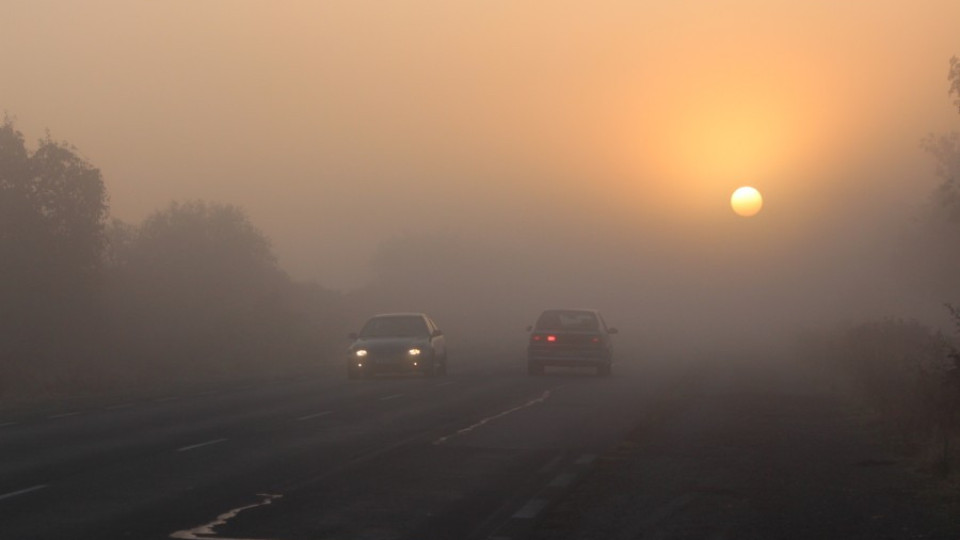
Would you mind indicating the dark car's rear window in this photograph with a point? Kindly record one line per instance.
(399, 326)
(568, 320)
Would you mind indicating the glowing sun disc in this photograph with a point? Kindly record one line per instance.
(746, 201)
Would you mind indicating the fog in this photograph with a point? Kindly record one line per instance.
(486, 160)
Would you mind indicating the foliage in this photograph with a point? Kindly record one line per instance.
(947, 393)
(53, 206)
(906, 373)
(945, 151)
(954, 78)
(929, 253)
(192, 292)
(936, 384)
(196, 290)
(887, 360)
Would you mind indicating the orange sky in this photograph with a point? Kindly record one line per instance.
(337, 124)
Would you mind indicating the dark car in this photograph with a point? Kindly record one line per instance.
(570, 338)
(397, 343)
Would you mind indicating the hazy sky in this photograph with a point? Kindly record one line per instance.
(582, 128)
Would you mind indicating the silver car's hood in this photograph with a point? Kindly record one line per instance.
(388, 344)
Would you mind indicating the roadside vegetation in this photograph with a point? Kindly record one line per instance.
(905, 372)
(194, 292)
(89, 304)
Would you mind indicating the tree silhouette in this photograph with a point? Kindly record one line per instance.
(954, 78)
(197, 290)
(53, 206)
(945, 150)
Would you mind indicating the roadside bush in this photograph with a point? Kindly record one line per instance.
(906, 373)
(196, 293)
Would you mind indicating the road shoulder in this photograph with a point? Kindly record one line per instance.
(752, 464)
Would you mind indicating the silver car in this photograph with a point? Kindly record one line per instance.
(397, 343)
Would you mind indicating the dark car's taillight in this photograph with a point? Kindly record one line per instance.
(543, 338)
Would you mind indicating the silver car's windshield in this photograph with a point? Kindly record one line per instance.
(399, 326)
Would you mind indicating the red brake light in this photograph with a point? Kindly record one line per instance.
(536, 337)
(595, 340)
(551, 339)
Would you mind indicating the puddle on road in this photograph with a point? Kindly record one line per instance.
(207, 530)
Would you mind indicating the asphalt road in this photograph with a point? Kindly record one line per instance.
(480, 453)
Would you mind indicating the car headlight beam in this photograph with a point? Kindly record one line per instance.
(361, 353)
(414, 352)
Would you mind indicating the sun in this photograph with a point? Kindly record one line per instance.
(746, 201)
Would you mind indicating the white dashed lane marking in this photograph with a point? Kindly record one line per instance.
(168, 398)
(448, 383)
(22, 492)
(543, 397)
(200, 445)
(531, 509)
(564, 473)
(315, 415)
(562, 480)
(551, 465)
(8, 424)
(394, 396)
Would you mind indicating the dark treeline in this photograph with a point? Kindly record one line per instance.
(193, 292)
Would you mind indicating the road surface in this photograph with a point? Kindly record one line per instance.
(477, 454)
(660, 450)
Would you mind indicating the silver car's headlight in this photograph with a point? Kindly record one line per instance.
(414, 352)
(360, 353)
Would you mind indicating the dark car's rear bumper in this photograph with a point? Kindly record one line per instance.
(571, 358)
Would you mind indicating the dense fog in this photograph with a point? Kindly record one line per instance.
(251, 181)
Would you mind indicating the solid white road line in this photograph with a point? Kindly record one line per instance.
(543, 397)
(316, 415)
(119, 406)
(394, 396)
(585, 459)
(200, 445)
(562, 480)
(22, 492)
(448, 383)
(207, 530)
(8, 424)
(531, 509)
(63, 415)
(168, 398)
